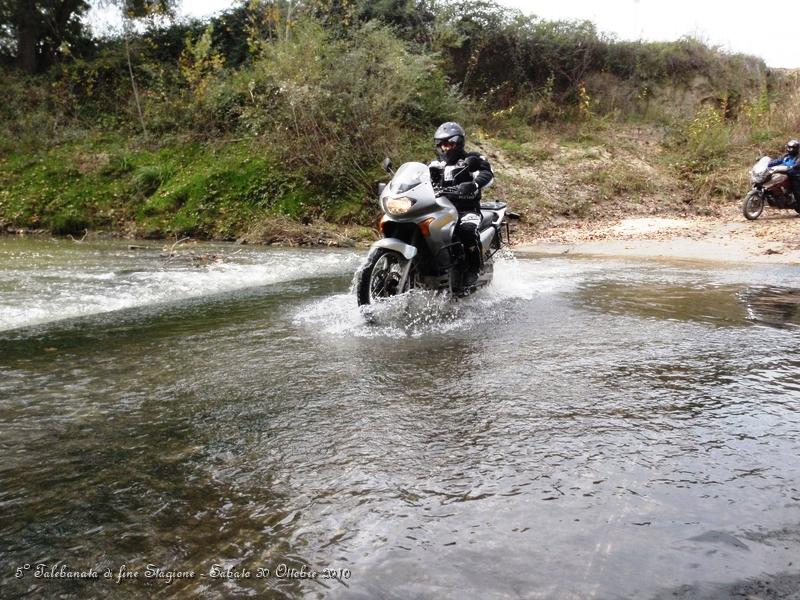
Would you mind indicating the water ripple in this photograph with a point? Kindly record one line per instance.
(580, 428)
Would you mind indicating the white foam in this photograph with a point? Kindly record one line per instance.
(72, 284)
(53, 292)
(420, 312)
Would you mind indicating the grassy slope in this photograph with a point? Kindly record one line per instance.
(223, 191)
(232, 190)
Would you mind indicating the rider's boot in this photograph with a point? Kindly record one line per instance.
(473, 260)
(470, 278)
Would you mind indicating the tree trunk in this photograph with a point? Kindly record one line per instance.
(27, 36)
(133, 79)
(26, 50)
(288, 18)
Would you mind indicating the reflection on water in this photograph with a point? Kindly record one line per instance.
(580, 429)
(772, 305)
(721, 305)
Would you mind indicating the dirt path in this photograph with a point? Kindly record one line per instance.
(774, 238)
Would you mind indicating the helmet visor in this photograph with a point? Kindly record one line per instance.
(447, 144)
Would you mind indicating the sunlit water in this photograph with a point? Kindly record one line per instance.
(582, 428)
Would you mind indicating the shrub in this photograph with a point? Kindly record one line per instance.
(334, 107)
(147, 180)
(708, 137)
(67, 223)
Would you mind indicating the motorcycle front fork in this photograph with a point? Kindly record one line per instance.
(404, 275)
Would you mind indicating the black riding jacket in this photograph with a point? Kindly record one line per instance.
(451, 171)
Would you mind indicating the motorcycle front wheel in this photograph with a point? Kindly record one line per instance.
(752, 205)
(380, 277)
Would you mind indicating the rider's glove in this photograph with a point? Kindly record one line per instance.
(437, 172)
(468, 190)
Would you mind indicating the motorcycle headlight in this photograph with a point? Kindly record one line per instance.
(399, 206)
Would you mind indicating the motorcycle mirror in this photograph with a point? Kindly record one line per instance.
(387, 165)
(381, 187)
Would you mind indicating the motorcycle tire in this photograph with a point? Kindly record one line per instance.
(379, 279)
(752, 205)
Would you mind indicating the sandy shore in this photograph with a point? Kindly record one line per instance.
(773, 238)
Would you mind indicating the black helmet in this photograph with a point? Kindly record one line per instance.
(449, 134)
(792, 146)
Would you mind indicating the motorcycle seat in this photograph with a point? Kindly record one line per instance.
(487, 218)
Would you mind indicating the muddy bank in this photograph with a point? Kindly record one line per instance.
(774, 238)
(272, 232)
(727, 237)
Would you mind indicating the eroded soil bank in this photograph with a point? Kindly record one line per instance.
(774, 238)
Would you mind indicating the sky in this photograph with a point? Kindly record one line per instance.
(733, 26)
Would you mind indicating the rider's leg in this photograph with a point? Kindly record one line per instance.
(467, 232)
(795, 181)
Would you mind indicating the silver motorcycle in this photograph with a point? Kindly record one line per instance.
(418, 249)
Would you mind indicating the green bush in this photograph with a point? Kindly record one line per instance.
(147, 180)
(333, 107)
(68, 223)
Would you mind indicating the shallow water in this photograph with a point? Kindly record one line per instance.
(582, 428)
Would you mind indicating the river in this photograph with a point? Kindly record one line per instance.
(584, 428)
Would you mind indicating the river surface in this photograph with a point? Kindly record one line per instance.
(581, 429)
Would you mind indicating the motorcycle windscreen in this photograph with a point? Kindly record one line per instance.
(409, 176)
(761, 166)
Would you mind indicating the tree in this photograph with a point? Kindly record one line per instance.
(34, 32)
(135, 10)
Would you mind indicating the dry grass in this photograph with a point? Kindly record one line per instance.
(617, 171)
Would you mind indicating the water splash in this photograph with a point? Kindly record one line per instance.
(420, 312)
(53, 287)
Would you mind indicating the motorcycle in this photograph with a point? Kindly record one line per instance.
(418, 250)
(771, 185)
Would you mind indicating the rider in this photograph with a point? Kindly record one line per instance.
(792, 160)
(450, 170)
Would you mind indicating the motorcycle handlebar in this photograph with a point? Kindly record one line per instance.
(449, 190)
